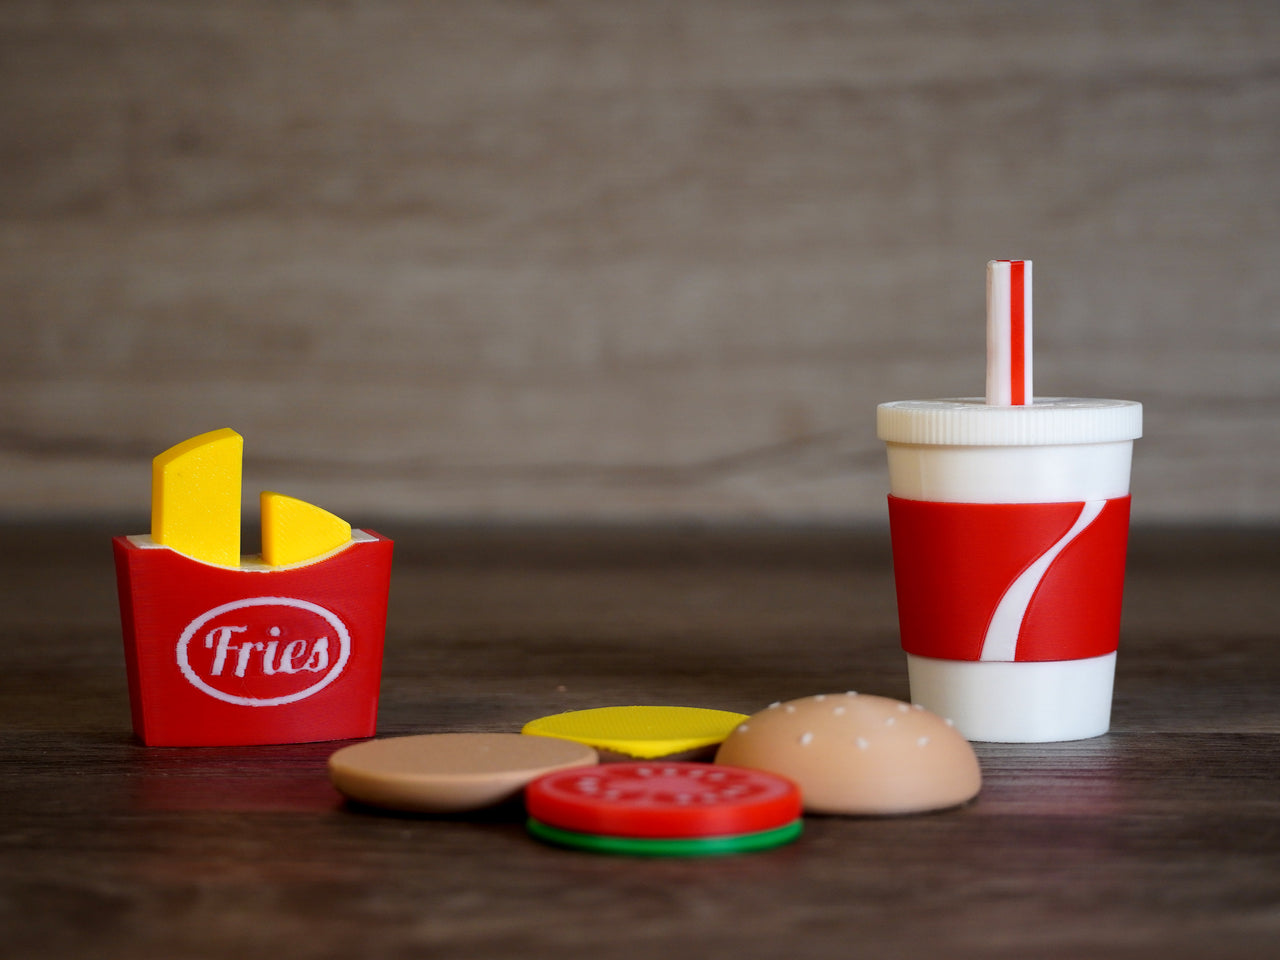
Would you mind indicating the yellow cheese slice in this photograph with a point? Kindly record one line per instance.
(642, 732)
(195, 497)
(294, 530)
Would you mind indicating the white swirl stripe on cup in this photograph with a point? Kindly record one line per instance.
(1001, 640)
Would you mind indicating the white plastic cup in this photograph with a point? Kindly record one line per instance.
(1010, 526)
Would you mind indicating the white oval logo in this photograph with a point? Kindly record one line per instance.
(264, 651)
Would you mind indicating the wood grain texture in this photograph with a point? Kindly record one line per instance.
(615, 260)
(1156, 841)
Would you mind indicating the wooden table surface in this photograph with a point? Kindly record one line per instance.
(1161, 839)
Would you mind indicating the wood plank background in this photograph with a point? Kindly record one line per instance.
(603, 260)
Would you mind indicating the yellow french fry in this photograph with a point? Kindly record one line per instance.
(195, 497)
(294, 530)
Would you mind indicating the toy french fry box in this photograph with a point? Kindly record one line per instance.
(225, 650)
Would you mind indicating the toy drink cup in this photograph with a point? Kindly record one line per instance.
(1009, 518)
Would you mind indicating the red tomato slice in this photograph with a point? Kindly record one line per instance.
(669, 800)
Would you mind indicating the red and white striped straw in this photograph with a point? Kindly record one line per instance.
(1009, 333)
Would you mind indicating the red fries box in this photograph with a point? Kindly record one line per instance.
(253, 654)
(223, 649)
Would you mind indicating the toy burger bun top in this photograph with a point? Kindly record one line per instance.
(859, 754)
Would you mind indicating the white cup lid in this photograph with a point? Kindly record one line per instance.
(971, 421)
